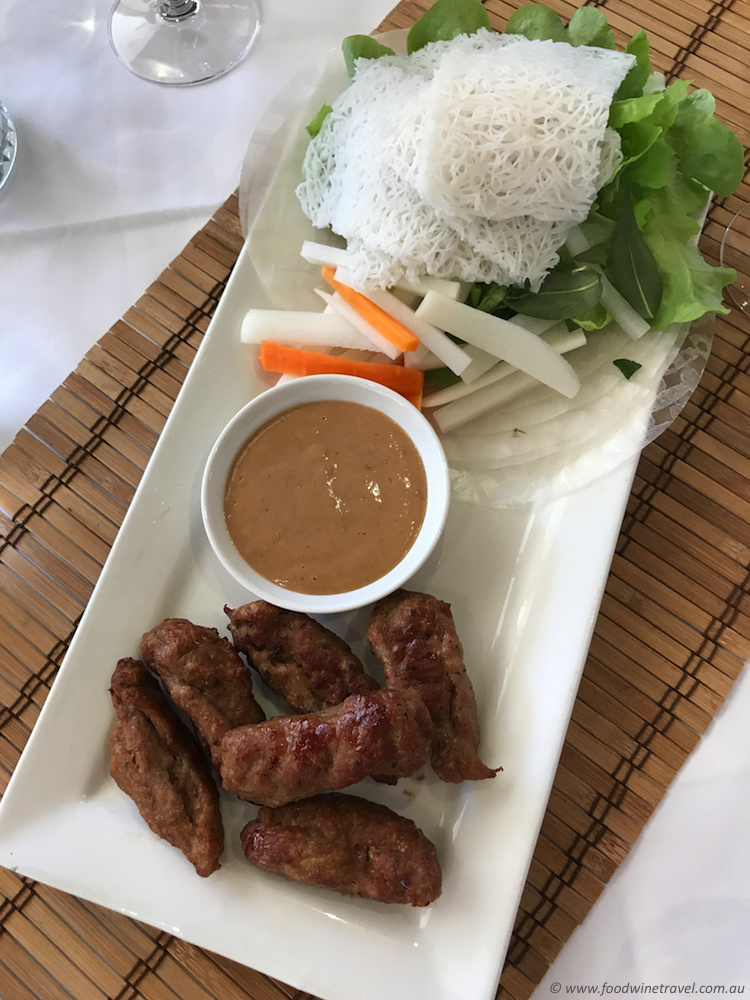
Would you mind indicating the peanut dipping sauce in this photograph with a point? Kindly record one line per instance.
(326, 497)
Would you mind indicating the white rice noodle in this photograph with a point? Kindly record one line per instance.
(518, 129)
(376, 173)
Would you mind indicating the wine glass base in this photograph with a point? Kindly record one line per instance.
(185, 51)
(735, 252)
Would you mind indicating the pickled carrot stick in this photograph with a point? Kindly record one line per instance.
(398, 334)
(293, 361)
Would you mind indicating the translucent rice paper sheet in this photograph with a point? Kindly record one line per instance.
(539, 446)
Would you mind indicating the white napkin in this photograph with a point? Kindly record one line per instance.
(115, 174)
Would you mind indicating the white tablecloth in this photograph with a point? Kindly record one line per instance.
(114, 175)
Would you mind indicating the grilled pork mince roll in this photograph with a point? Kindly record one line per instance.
(155, 760)
(293, 757)
(414, 637)
(299, 659)
(347, 844)
(205, 677)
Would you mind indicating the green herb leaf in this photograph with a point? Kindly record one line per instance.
(627, 367)
(487, 297)
(597, 254)
(445, 20)
(317, 123)
(362, 47)
(635, 81)
(441, 378)
(631, 266)
(565, 293)
(535, 21)
(588, 26)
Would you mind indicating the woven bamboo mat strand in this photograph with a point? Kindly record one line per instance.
(671, 637)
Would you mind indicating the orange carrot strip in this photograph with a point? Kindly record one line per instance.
(294, 361)
(393, 331)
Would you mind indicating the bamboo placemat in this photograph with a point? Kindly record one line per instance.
(671, 637)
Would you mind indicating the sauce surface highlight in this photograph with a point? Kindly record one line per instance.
(326, 497)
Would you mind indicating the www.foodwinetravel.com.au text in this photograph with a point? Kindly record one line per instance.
(603, 989)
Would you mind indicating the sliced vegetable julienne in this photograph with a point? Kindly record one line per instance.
(559, 338)
(622, 312)
(449, 352)
(307, 329)
(423, 359)
(541, 421)
(324, 255)
(462, 411)
(390, 328)
(546, 425)
(293, 361)
(375, 339)
(419, 287)
(457, 290)
(507, 341)
(481, 362)
(534, 324)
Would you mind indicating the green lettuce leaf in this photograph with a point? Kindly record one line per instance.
(317, 123)
(635, 81)
(595, 319)
(362, 47)
(445, 20)
(588, 26)
(535, 21)
(707, 150)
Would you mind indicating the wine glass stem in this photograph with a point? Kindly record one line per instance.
(177, 10)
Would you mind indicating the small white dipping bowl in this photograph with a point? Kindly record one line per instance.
(309, 389)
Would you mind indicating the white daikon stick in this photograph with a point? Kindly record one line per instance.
(505, 340)
(481, 362)
(461, 411)
(533, 323)
(457, 290)
(376, 339)
(304, 329)
(576, 242)
(452, 356)
(323, 255)
(559, 338)
(422, 359)
(622, 312)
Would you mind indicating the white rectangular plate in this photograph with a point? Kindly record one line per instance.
(524, 585)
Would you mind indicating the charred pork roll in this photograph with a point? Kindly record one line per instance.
(156, 761)
(414, 637)
(347, 844)
(309, 666)
(292, 757)
(205, 677)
